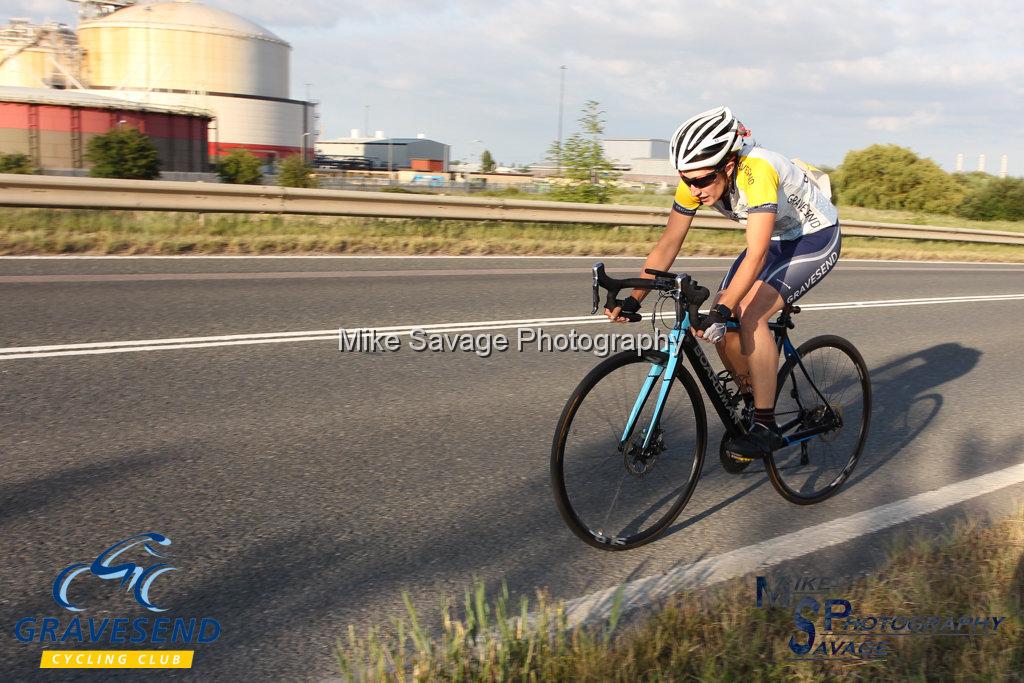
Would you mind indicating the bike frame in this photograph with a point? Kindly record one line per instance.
(665, 365)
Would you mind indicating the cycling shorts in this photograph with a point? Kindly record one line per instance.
(793, 267)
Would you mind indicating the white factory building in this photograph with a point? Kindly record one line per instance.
(171, 54)
(418, 153)
(640, 159)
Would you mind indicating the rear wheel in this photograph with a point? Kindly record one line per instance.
(813, 470)
(619, 496)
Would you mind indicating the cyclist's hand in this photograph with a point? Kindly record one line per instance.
(714, 324)
(625, 311)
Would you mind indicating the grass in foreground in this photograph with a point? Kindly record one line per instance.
(67, 231)
(721, 636)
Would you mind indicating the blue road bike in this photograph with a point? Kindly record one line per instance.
(629, 446)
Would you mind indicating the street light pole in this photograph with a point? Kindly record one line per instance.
(479, 160)
(561, 107)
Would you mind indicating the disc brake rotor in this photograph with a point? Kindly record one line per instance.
(638, 460)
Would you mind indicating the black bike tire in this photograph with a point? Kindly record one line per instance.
(562, 501)
(827, 340)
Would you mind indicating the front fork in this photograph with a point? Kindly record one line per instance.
(664, 371)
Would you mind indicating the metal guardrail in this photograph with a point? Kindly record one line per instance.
(156, 195)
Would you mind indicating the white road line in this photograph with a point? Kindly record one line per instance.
(401, 257)
(743, 561)
(93, 348)
(86, 257)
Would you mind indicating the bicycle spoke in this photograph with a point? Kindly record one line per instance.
(627, 495)
(833, 379)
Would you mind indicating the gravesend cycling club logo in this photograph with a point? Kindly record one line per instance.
(133, 564)
(136, 577)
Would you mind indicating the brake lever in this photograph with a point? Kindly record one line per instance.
(597, 287)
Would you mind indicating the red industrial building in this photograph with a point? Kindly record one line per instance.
(54, 127)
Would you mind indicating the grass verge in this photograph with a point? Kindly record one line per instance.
(720, 635)
(853, 213)
(68, 231)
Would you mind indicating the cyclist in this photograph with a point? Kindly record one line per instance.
(793, 241)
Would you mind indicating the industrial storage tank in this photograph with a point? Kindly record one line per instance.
(38, 55)
(183, 53)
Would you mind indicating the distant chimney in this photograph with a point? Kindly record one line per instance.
(1004, 162)
(959, 163)
(379, 135)
(355, 133)
(981, 163)
(421, 136)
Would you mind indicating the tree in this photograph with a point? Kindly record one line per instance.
(240, 167)
(893, 177)
(995, 199)
(487, 162)
(294, 171)
(588, 174)
(17, 163)
(123, 152)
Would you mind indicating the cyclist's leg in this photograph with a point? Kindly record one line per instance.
(736, 348)
(757, 343)
(802, 263)
(729, 348)
(792, 268)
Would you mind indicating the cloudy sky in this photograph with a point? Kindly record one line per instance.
(811, 79)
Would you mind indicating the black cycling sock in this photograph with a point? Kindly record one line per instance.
(765, 416)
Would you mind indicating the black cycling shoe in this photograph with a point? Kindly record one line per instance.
(758, 442)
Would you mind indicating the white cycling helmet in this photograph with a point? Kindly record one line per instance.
(704, 140)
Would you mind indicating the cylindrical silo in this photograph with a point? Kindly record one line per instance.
(37, 55)
(184, 53)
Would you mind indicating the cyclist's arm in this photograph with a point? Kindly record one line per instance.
(667, 248)
(759, 234)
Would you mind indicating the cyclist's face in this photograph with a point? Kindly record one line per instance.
(713, 191)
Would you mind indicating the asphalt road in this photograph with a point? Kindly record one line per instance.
(305, 488)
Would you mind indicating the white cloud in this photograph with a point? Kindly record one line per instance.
(821, 77)
(921, 117)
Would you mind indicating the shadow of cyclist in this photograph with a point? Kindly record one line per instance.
(904, 400)
(904, 403)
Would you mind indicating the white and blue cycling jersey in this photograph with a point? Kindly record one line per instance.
(767, 182)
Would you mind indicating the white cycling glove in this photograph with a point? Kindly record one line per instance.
(714, 325)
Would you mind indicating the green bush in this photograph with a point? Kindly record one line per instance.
(487, 163)
(295, 172)
(123, 152)
(240, 167)
(972, 181)
(893, 177)
(17, 163)
(995, 199)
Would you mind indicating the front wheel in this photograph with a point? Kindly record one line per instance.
(614, 495)
(831, 390)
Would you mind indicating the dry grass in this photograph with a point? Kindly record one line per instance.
(721, 636)
(63, 231)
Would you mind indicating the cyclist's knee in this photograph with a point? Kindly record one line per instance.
(752, 319)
